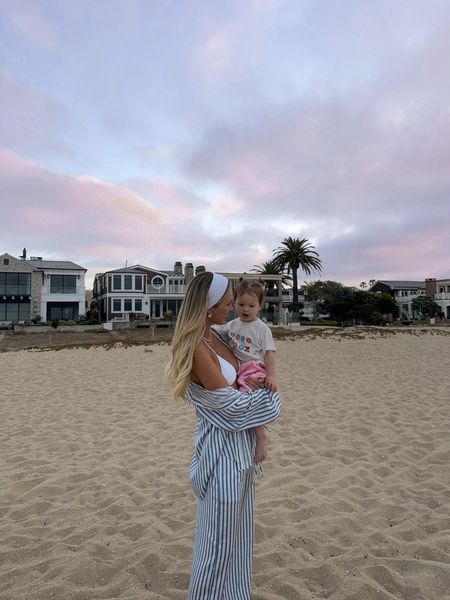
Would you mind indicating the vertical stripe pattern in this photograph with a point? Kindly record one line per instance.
(222, 475)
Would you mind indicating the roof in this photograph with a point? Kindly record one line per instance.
(402, 285)
(133, 269)
(263, 276)
(123, 270)
(55, 264)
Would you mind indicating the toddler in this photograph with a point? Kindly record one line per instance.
(252, 342)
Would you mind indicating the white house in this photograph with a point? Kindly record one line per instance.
(439, 291)
(141, 292)
(403, 292)
(32, 288)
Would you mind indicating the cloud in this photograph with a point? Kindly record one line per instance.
(31, 121)
(214, 130)
(30, 24)
(213, 56)
(67, 215)
(366, 173)
(100, 225)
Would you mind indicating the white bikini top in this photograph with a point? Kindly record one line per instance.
(228, 371)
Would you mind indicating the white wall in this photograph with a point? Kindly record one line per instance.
(79, 296)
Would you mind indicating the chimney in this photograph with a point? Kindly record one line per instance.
(430, 287)
(199, 269)
(178, 269)
(188, 273)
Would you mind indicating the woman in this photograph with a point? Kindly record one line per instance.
(203, 369)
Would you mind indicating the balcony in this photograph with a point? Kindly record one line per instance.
(166, 290)
(442, 296)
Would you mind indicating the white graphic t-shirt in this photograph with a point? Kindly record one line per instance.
(250, 341)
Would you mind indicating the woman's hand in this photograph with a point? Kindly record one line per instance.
(254, 384)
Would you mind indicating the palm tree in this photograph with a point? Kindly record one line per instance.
(270, 268)
(293, 254)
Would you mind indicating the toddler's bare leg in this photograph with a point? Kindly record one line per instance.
(262, 444)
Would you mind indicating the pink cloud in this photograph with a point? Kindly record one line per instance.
(228, 206)
(101, 225)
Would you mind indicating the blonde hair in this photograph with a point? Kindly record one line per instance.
(188, 333)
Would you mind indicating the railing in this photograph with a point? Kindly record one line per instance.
(167, 289)
(122, 317)
(289, 296)
(442, 296)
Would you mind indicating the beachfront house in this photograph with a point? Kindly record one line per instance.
(37, 289)
(403, 293)
(140, 293)
(439, 291)
(308, 311)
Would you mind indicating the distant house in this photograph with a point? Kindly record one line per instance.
(403, 293)
(49, 289)
(140, 292)
(309, 310)
(439, 291)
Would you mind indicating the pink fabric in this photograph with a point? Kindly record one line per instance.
(250, 368)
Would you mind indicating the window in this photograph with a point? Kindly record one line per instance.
(117, 305)
(138, 282)
(15, 284)
(128, 305)
(6, 261)
(15, 311)
(128, 282)
(24, 284)
(62, 311)
(117, 282)
(63, 284)
(157, 282)
(138, 305)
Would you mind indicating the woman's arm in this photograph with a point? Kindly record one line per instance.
(232, 410)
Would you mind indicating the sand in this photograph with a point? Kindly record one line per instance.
(354, 502)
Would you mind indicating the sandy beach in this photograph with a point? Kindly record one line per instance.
(354, 502)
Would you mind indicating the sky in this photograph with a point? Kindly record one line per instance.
(154, 131)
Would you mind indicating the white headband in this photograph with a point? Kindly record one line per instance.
(219, 286)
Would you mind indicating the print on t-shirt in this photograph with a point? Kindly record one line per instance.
(240, 342)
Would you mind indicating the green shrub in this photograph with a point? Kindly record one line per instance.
(93, 317)
(324, 322)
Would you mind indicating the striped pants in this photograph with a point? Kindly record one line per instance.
(223, 546)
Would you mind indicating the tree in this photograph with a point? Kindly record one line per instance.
(296, 253)
(425, 306)
(329, 297)
(344, 303)
(372, 307)
(270, 268)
